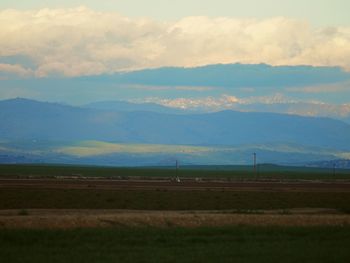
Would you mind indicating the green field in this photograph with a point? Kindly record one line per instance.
(224, 172)
(23, 198)
(216, 244)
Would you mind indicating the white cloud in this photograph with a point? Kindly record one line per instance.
(219, 103)
(278, 103)
(81, 41)
(15, 69)
(207, 103)
(277, 98)
(325, 88)
(320, 109)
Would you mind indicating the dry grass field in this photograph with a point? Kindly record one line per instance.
(75, 218)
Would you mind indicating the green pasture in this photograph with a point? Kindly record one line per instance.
(162, 199)
(216, 244)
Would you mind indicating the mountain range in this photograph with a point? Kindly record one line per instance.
(27, 119)
(114, 131)
(296, 83)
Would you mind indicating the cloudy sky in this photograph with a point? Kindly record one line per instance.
(318, 12)
(70, 39)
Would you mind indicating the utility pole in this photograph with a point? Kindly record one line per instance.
(177, 171)
(254, 163)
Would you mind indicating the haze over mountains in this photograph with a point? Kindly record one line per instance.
(301, 90)
(215, 114)
(149, 134)
(230, 75)
(125, 106)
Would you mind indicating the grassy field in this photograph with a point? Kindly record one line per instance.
(23, 198)
(224, 172)
(216, 244)
(171, 243)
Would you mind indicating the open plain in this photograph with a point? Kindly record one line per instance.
(65, 216)
(71, 202)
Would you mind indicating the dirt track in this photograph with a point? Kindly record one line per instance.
(189, 185)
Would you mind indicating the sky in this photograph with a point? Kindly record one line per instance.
(69, 39)
(318, 12)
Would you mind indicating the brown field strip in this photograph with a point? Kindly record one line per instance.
(63, 219)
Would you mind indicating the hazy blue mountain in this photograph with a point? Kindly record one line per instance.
(25, 119)
(128, 106)
(347, 119)
(28, 119)
(206, 81)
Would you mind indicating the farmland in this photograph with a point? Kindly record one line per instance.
(263, 171)
(220, 189)
(47, 194)
(106, 214)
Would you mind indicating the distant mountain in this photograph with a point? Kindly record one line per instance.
(32, 120)
(347, 119)
(128, 106)
(240, 80)
(28, 119)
